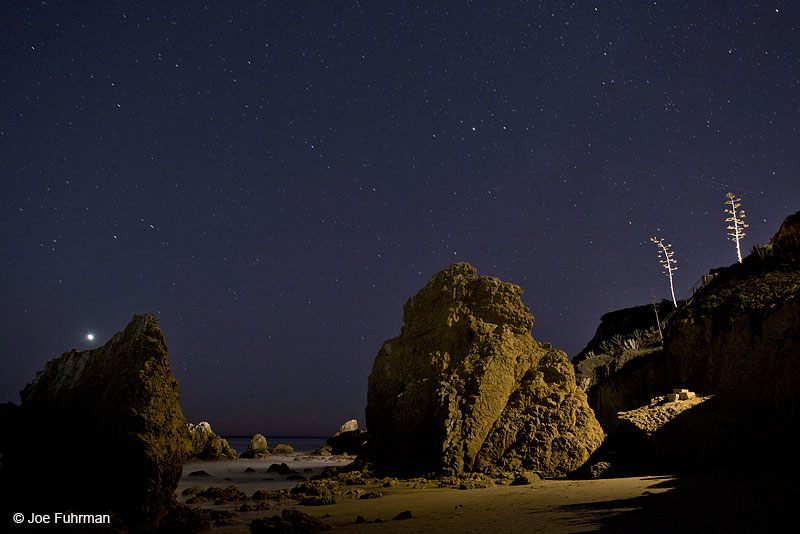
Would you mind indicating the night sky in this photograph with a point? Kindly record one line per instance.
(275, 180)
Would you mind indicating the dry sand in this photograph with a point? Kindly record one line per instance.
(721, 501)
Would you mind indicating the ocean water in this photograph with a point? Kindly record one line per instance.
(300, 445)
(251, 475)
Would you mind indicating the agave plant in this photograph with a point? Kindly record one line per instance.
(631, 344)
(605, 346)
(617, 339)
(590, 355)
(762, 252)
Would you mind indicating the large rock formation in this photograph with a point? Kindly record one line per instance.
(100, 431)
(464, 387)
(206, 445)
(738, 340)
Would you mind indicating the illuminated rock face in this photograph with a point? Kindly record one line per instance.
(120, 437)
(206, 445)
(465, 388)
(257, 448)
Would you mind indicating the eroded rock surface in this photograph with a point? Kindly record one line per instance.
(206, 445)
(100, 431)
(738, 340)
(348, 440)
(257, 448)
(786, 242)
(464, 387)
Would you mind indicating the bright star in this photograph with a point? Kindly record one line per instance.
(90, 337)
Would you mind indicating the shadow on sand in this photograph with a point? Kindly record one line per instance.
(716, 501)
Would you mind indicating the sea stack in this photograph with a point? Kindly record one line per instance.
(257, 448)
(465, 388)
(100, 431)
(206, 445)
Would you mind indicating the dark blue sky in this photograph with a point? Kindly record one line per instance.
(274, 180)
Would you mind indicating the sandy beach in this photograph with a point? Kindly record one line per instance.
(712, 502)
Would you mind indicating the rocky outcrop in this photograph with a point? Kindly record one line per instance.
(624, 382)
(348, 440)
(257, 449)
(738, 340)
(786, 242)
(206, 445)
(464, 387)
(622, 324)
(751, 356)
(110, 421)
(348, 426)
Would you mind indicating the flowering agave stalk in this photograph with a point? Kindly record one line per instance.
(668, 262)
(737, 219)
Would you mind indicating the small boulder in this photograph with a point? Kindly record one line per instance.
(325, 450)
(289, 522)
(526, 478)
(402, 515)
(317, 500)
(349, 426)
(257, 449)
(282, 449)
(281, 469)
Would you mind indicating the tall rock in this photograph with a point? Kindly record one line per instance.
(100, 431)
(464, 387)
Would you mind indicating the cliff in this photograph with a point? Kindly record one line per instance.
(737, 342)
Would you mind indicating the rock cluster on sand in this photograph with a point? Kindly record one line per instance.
(464, 387)
(288, 521)
(100, 430)
(206, 445)
(257, 448)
